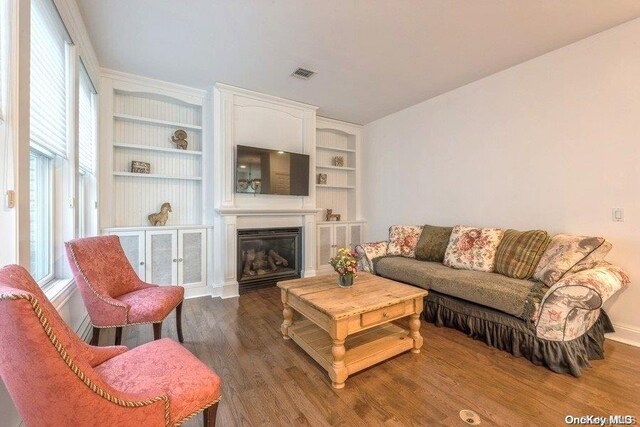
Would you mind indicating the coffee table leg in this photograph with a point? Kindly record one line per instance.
(338, 374)
(287, 313)
(414, 328)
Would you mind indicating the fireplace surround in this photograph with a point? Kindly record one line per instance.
(268, 255)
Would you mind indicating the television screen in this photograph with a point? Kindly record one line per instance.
(263, 171)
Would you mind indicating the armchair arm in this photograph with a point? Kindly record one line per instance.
(104, 311)
(99, 355)
(572, 305)
(368, 253)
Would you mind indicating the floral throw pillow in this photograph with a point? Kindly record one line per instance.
(369, 252)
(403, 240)
(472, 248)
(562, 254)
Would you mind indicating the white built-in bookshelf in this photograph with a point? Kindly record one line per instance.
(143, 122)
(341, 192)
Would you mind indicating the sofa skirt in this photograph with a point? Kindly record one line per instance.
(516, 336)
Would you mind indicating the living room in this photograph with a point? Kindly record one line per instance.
(183, 180)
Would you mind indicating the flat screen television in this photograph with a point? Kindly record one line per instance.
(264, 171)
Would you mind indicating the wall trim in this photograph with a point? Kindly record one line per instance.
(625, 334)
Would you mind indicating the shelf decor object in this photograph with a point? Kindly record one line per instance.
(160, 218)
(338, 161)
(179, 138)
(140, 167)
(322, 178)
(331, 216)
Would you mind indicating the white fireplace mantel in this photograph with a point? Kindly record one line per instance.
(265, 211)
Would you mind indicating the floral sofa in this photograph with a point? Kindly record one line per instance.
(528, 293)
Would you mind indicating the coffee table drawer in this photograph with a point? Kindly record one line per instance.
(382, 315)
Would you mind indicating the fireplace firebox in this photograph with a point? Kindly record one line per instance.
(268, 255)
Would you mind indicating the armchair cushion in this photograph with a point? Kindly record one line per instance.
(571, 306)
(161, 367)
(152, 304)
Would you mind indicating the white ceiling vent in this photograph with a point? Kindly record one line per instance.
(303, 73)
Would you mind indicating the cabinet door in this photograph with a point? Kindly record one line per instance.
(192, 257)
(133, 244)
(325, 244)
(355, 234)
(340, 237)
(162, 257)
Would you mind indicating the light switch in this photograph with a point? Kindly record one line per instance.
(617, 214)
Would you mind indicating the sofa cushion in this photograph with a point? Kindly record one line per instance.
(403, 240)
(473, 248)
(433, 243)
(562, 254)
(519, 252)
(513, 296)
(594, 258)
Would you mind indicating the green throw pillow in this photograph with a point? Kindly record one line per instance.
(519, 252)
(433, 243)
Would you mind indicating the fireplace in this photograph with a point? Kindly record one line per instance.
(268, 255)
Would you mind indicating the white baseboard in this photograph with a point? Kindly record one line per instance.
(230, 290)
(625, 334)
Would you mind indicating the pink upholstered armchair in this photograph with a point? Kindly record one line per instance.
(56, 379)
(112, 291)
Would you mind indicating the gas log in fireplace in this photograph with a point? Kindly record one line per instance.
(268, 255)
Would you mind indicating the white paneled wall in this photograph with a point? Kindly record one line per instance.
(153, 135)
(164, 163)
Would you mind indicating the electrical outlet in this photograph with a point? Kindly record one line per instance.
(617, 214)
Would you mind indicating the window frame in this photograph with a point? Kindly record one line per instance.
(50, 158)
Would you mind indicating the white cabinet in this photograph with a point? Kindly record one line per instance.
(133, 243)
(335, 235)
(162, 257)
(166, 256)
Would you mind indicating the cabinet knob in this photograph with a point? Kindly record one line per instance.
(180, 259)
(141, 262)
(175, 260)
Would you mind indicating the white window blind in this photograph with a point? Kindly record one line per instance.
(49, 41)
(86, 124)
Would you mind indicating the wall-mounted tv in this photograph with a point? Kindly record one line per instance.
(263, 171)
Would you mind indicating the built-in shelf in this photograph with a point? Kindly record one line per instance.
(160, 149)
(343, 187)
(324, 147)
(344, 168)
(139, 119)
(157, 176)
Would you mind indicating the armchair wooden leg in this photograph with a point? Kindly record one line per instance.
(96, 336)
(119, 335)
(157, 331)
(210, 415)
(179, 322)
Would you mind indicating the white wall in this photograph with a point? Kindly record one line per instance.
(552, 143)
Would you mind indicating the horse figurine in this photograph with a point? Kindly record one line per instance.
(161, 217)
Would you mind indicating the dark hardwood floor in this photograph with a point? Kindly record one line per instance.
(269, 381)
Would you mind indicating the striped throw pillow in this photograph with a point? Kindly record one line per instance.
(519, 252)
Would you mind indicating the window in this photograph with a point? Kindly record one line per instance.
(48, 135)
(40, 174)
(86, 156)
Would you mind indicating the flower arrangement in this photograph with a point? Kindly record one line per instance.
(345, 263)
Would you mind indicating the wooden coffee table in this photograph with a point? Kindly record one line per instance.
(347, 330)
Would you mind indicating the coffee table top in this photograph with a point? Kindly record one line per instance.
(369, 292)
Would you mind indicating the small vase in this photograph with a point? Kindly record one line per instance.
(345, 281)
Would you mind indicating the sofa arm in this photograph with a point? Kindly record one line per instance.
(572, 305)
(368, 253)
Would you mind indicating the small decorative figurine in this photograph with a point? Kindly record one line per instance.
(331, 216)
(322, 178)
(179, 138)
(161, 217)
(338, 161)
(140, 167)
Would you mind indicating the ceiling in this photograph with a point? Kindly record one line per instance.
(373, 57)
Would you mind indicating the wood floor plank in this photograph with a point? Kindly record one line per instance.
(268, 381)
